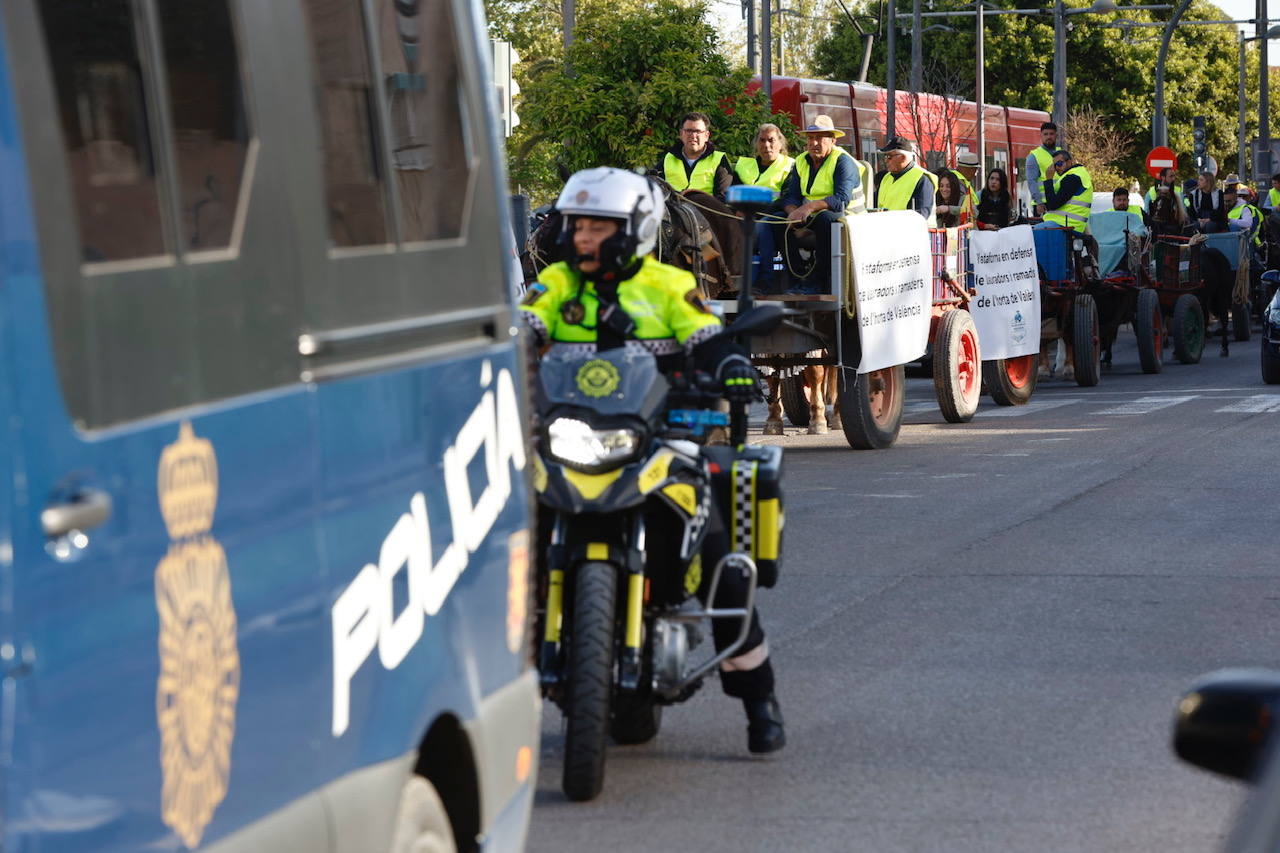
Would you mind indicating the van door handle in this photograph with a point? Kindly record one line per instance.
(87, 510)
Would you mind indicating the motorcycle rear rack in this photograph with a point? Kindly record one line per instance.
(737, 560)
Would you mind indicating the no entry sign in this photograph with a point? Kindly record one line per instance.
(1161, 158)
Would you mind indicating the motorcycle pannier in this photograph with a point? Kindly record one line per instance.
(748, 485)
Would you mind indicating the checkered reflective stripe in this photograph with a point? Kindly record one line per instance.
(744, 503)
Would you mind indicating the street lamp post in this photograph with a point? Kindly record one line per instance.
(1264, 111)
(1060, 13)
(1261, 165)
(766, 52)
(980, 93)
(891, 75)
(782, 67)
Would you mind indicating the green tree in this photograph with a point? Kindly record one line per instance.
(1108, 70)
(798, 27)
(630, 75)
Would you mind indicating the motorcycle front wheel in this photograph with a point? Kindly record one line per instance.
(590, 680)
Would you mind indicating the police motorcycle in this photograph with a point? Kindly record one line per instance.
(626, 483)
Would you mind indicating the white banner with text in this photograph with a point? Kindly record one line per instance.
(892, 276)
(1007, 307)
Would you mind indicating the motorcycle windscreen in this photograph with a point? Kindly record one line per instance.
(612, 382)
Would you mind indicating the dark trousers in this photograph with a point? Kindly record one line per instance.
(732, 592)
(814, 273)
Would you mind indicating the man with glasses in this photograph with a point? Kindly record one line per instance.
(693, 163)
(1068, 196)
(905, 186)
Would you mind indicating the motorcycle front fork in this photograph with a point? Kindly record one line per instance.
(566, 552)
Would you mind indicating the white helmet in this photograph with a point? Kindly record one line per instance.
(611, 193)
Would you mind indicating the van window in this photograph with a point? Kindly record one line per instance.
(420, 76)
(352, 167)
(210, 131)
(97, 76)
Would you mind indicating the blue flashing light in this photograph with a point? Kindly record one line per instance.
(749, 194)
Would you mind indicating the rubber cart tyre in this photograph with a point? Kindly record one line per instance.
(794, 401)
(590, 681)
(871, 406)
(1086, 342)
(1187, 329)
(422, 822)
(1240, 321)
(1270, 364)
(1148, 327)
(1011, 381)
(957, 366)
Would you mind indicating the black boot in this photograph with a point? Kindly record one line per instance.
(764, 725)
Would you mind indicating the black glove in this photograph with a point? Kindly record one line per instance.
(739, 379)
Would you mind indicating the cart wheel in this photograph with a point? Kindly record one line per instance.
(1187, 329)
(871, 406)
(1010, 381)
(1086, 342)
(1270, 364)
(957, 366)
(794, 401)
(1148, 325)
(1240, 321)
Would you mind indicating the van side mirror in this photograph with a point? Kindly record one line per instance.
(1226, 721)
(760, 320)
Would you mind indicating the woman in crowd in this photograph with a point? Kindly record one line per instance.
(995, 205)
(953, 206)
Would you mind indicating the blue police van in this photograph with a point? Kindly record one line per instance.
(264, 552)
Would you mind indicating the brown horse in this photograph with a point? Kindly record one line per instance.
(687, 240)
(819, 381)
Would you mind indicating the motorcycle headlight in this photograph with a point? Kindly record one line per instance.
(577, 444)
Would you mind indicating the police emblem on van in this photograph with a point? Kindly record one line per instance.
(199, 663)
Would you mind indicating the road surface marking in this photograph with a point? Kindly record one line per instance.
(1147, 405)
(1256, 403)
(1030, 407)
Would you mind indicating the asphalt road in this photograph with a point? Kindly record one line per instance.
(980, 634)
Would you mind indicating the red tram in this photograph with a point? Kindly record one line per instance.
(942, 126)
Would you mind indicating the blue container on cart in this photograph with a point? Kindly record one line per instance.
(1053, 251)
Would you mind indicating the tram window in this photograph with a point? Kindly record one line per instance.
(421, 81)
(97, 76)
(211, 136)
(352, 168)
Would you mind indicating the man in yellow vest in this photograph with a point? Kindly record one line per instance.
(822, 183)
(1120, 201)
(1271, 203)
(1168, 178)
(693, 163)
(965, 172)
(906, 185)
(1241, 215)
(1040, 165)
(1068, 197)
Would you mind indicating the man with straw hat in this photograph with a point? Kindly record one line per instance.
(822, 183)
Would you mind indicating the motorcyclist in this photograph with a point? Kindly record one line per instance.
(611, 293)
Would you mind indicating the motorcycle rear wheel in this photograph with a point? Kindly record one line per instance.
(590, 686)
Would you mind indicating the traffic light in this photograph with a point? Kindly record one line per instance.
(1198, 141)
(505, 60)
